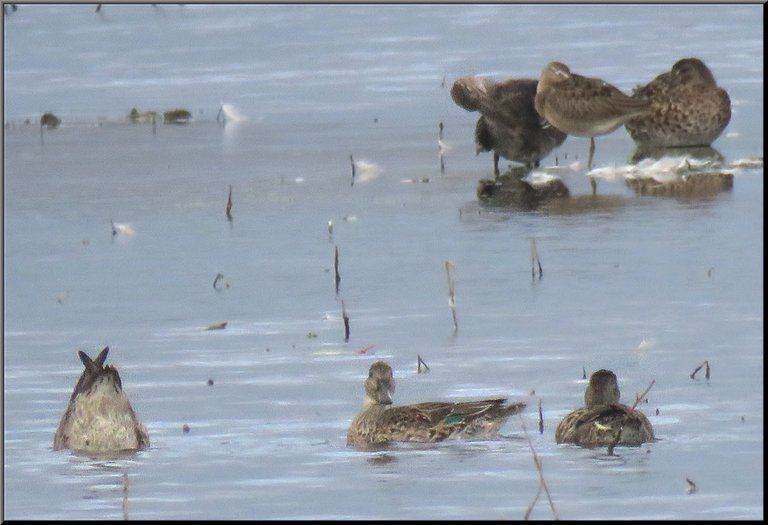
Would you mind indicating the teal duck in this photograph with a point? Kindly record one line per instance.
(687, 108)
(509, 124)
(378, 423)
(603, 421)
(99, 417)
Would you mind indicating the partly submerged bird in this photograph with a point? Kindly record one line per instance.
(687, 108)
(99, 417)
(603, 421)
(583, 106)
(509, 124)
(378, 423)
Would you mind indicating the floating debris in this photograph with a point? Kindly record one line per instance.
(177, 116)
(185, 428)
(49, 120)
(209, 382)
(122, 228)
(366, 349)
(217, 326)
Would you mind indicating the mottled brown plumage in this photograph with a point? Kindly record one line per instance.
(687, 108)
(583, 106)
(603, 421)
(378, 424)
(99, 417)
(509, 124)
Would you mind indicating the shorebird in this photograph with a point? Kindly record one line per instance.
(583, 106)
(509, 124)
(603, 421)
(99, 417)
(687, 108)
(378, 423)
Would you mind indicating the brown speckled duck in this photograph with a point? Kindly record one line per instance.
(99, 417)
(603, 421)
(378, 423)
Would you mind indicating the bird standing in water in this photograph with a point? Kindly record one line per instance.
(509, 124)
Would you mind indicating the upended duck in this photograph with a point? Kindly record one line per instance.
(99, 417)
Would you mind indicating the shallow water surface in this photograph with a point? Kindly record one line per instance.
(649, 287)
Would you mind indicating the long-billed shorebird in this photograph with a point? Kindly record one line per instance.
(509, 124)
(687, 108)
(583, 106)
(378, 423)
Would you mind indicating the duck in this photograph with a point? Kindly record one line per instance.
(379, 423)
(604, 421)
(99, 417)
(583, 106)
(687, 108)
(509, 124)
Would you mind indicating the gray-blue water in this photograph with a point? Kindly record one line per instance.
(649, 287)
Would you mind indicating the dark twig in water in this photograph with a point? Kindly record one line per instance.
(691, 486)
(229, 204)
(125, 492)
(449, 266)
(706, 373)
(641, 397)
(535, 259)
(352, 161)
(541, 419)
(336, 268)
(542, 483)
(346, 320)
(419, 363)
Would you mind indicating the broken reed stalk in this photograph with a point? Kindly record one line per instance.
(691, 486)
(706, 373)
(449, 266)
(346, 320)
(336, 268)
(541, 419)
(542, 483)
(125, 496)
(642, 396)
(419, 363)
(229, 204)
(535, 259)
(352, 161)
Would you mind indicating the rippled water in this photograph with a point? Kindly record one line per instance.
(649, 287)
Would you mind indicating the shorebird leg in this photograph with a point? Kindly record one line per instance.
(592, 180)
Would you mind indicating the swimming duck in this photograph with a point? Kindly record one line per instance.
(509, 124)
(687, 108)
(603, 421)
(378, 423)
(99, 417)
